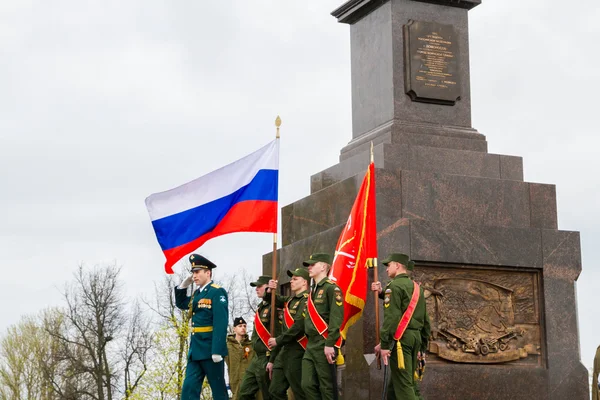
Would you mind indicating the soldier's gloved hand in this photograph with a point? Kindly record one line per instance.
(186, 282)
(217, 358)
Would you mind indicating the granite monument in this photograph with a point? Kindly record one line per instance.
(499, 274)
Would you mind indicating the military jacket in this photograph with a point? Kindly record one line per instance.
(264, 312)
(397, 295)
(209, 309)
(288, 340)
(327, 297)
(238, 359)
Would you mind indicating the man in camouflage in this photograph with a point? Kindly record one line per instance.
(240, 354)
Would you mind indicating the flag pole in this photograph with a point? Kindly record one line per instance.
(376, 294)
(274, 266)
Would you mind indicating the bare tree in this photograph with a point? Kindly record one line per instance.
(136, 349)
(242, 297)
(174, 325)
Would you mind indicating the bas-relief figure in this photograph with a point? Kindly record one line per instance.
(480, 316)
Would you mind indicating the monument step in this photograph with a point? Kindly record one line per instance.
(399, 135)
(430, 196)
(422, 158)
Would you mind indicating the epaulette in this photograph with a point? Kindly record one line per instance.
(329, 281)
(215, 286)
(306, 295)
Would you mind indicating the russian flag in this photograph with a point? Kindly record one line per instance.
(240, 197)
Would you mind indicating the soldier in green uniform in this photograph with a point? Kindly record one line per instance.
(322, 327)
(209, 315)
(256, 378)
(401, 356)
(240, 353)
(285, 361)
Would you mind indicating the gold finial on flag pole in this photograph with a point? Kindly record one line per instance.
(274, 260)
(277, 124)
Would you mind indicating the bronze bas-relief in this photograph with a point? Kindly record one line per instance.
(482, 315)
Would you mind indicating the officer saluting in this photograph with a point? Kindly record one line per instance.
(209, 316)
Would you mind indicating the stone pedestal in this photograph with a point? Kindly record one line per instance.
(499, 275)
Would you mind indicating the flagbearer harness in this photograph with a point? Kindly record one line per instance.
(404, 321)
(289, 321)
(261, 330)
(322, 327)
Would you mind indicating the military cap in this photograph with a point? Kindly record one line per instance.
(262, 280)
(316, 257)
(400, 258)
(301, 272)
(238, 321)
(200, 262)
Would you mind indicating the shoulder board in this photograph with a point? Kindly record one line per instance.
(306, 295)
(329, 281)
(215, 286)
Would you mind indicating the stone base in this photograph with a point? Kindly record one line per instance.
(475, 229)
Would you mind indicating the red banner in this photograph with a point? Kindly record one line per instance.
(356, 248)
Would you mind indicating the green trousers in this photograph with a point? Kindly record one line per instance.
(194, 377)
(402, 381)
(317, 374)
(255, 379)
(287, 372)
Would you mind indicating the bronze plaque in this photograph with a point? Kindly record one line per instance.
(431, 61)
(482, 315)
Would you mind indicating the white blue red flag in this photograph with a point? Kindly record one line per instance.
(240, 197)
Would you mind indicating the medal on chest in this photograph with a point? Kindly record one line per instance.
(205, 303)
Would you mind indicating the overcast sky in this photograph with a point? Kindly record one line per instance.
(104, 103)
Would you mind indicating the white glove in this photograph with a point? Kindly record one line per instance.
(217, 358)
(186, 282)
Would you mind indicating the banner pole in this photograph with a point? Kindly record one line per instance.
(375, 294)
(274, 265)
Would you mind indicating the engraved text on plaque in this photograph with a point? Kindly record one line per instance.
(431, 63)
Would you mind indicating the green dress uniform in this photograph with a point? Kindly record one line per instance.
(397, 296)
(208, 306)
(287, 355)
(256, 377)
(317, 374)
(240, 355)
